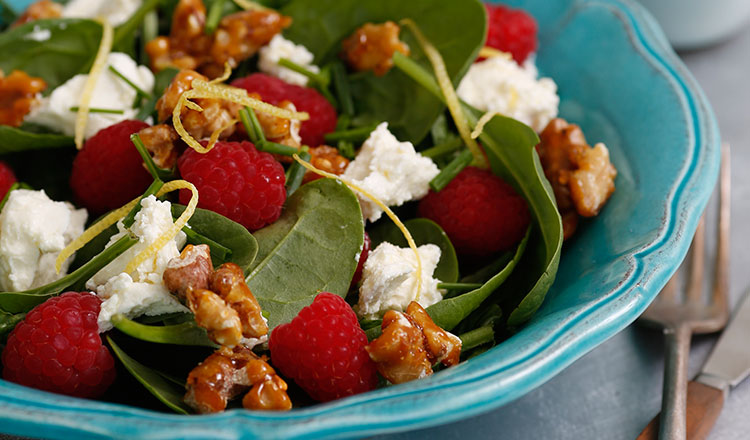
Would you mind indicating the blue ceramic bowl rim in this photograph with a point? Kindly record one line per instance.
(25, 411)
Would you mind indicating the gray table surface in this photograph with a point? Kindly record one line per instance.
(613, 391)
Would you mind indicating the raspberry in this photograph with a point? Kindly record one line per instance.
(511, 30)
(323, 350)
(108, 172)
(274, 90)
(361, 262)
(57, 348)
(479, 211)
(237, 181)
(7, 179)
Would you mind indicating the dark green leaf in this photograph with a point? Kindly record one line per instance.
(54, 50)
(165, 390)
(226, 232)
(15, 139)
(423, 231)
(186, 333)
(312, 248)
(321, 25)
(8, 321)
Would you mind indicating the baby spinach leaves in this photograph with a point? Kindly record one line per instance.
(186, 333)
(8, 321)
(410, 110)
(423, 231)
(163, 389)
(312, 248)
(16, 139)
(54, 50)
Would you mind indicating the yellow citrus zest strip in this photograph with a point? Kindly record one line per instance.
(224, 76)
(207, 89)
(248, 5)
(105, 46)
(181, 221)
(94, 230)
(489, 52)
(449, 92)
(382, 206)
(487, 117)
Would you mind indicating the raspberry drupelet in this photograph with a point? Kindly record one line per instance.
(512, 31)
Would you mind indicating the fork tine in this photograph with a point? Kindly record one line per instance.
(697, 254)
(721, 280)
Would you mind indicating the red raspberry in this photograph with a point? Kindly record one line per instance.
(274, 90)
(7, 179)
(323, 350)
(237, 181)
(108, 172)
(57, 348)
(361, 262)
(479, 211)
(511, 30)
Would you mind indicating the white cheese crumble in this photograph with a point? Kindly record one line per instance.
(389, 279)
(141, 291)
(278, 48)
(390, 170)
(33, 231)
(499, 84)
(116, 12)
(111, 93)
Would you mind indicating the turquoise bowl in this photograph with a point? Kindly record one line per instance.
(622, 83)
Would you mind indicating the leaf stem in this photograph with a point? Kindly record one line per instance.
(156, 172)
(449, 146)
(451, 170)
(352, 135)
(477, 337)
(296, 172)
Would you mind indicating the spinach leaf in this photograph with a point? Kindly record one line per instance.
(54, 50)
(226, 232)
(17, 302)
(8, 321)
(311, 248)
(449, 312)
(187, 333)
(165, 390)
(321, 25)
(15, 139)
(423, 231)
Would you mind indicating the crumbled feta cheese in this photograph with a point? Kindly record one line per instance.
(278, 48)
(141, 291)
(389, 279)
(389, 170)
(111, 93)
(499, 84)
(33, 231)
(116, 12)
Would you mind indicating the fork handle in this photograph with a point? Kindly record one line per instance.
(704, 404)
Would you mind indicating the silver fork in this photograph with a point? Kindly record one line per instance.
(681, 316)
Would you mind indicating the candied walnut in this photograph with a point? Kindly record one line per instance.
(226, 374)
(582, 177)
(18, 93)
(187, 45)
(190, 271)
(39, 10)
(326, 158)
(442, 346)
(371, 47)
(217, 114)
(160, 142)
(228, 281)
(212, 313)
(280, 130)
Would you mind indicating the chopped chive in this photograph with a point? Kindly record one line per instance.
(101, 110)
(477, 337)
(459, 286)
(318, 78)
(149, 31)
(449, 146)
(218, 250)
(153, 169)
(439, 130)
(417, 73)
(295, 173)
(214, 16)
(252, 125)
(138, 90)
(341, 85)
(451, 170)
(123, 31)
(346, 149)
(274, 148)
(353, 135)
(152, 189)
(342, 123)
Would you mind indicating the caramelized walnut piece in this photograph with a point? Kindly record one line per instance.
(226, 374)
(326, 158)
(37, 11)
(442, 346)
(399, 353)
(211, 312)
(582, 177)
(160, 142)
(18, 93)
(280, 130)
(190, 271)
(371, 47)
(228, 281)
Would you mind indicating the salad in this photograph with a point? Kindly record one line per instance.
(278, 203)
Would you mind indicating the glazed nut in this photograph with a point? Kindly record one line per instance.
(228, 281)
(399, 352)
(326, 158)
(18, 94)
(593, 182)
(190, 271)
(371, 47)
(211, 312)
(268, 394)
(160, 140)
(441, 345)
